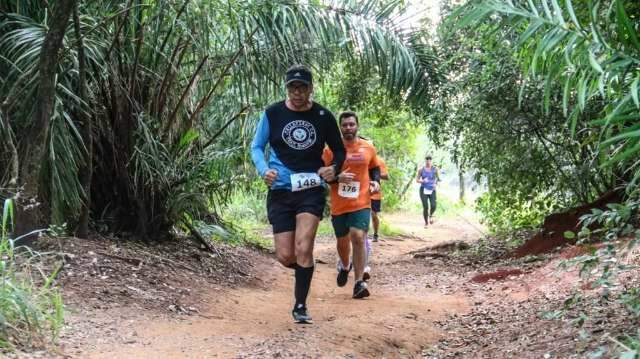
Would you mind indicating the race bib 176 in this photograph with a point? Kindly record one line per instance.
(427, 191)
(349, 190)
(305, 180)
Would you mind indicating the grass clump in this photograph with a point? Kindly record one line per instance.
(31, 309)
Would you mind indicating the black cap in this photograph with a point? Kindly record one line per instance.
(298, 74)
(428, 157)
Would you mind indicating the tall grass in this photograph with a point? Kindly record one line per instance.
(31, 310)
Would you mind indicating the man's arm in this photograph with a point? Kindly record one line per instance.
(258, 145)
(384, 173)
(374, 174)
(334, 141)
(327, 160)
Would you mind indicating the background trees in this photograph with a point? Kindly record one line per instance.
(539, 99)
(153, 101)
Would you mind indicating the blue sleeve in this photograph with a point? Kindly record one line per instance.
(259, 143)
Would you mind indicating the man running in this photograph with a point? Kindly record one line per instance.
(296, 130)
(376, 200)
(428, 177)
(351, 202)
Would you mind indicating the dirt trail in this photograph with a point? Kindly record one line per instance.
(254, 321)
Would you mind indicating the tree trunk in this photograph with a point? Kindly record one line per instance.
(412, 178)
(86, 130)
(462, 188)
(29, 207)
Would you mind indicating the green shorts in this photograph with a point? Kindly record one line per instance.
(358, 219)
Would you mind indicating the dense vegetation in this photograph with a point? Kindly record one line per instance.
(143, 109)
(542, 107)
(543, 100)
(135, 116)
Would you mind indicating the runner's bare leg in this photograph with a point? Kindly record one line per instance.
(305, 236)
(284, 243)
(359, 251)
(343, 245)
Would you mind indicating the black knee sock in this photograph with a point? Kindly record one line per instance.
(293, 266)
(303, 283)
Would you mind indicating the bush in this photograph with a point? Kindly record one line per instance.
(248, 206)
(31, 310)
(511, 212)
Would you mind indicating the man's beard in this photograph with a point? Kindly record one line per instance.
(349, 136)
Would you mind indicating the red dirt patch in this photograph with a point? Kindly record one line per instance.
(551, 235)
(497, 275)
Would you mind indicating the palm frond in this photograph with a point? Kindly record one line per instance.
(572, 45)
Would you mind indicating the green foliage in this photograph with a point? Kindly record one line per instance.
(246, 209)
(613, 224)
(631, 346)
(248, 205)
(172, 92)
(449, 207)
(384, 119)
(31, 309)
(591, 50)
(618, 220)
(325, 228)
(387, 230)
(518, 211)
(245, 233)
(534, 100)
(616, 226)
(631, 298)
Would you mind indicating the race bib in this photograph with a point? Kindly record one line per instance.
(349, 190)
(427, 191)
(302, 181)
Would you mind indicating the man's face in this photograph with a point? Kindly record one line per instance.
(428, 162)
(299, 93)
(349, 128)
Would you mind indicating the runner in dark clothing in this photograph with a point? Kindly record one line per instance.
(297, 131)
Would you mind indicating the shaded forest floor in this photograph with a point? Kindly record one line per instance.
(432, 297)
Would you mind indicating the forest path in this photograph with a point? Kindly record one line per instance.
(254, 321)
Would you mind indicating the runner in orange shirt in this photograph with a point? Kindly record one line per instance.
(351, 201)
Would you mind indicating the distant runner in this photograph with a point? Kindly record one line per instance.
(428, 177)
(297, 130)
(351, 202)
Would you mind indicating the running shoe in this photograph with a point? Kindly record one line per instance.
(431, 220)
(343, 274)
(366, 276)
(300, 315)
(360, 290)
(375, 237)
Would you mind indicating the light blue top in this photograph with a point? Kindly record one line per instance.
(258, 145)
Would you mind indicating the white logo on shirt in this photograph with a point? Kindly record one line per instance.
(299, 134)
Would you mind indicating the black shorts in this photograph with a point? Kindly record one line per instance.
(375, 205)
(284, 205)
